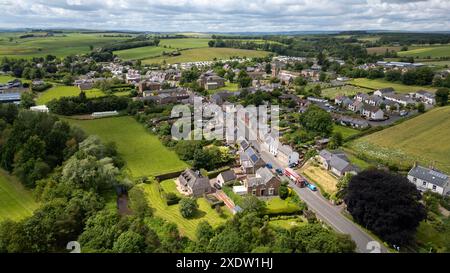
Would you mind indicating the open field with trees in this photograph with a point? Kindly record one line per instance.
(58, 92)
(421, 139)
(426, 52)
(60, 45)
(172, 214)
(16, 202)
(378, 83)
(346, 90)
(206, 54)
(143, 153)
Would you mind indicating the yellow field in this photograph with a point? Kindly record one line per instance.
(320, 177)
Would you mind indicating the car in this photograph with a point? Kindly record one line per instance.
(268, 165)
(217, 186)
(293, 165)
(279, 171)
(311, 187)
(403, 113)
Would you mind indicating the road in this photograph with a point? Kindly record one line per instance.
(329, 213)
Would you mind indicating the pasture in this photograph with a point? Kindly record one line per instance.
(188, 43)
(143, 153)
(206, 54)
(422, 139)
(172, 214)
(60, 91)
(346, 90)
(16, 202)
(141, 52)
(426, 52)
(379, 83)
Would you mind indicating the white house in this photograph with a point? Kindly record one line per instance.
(426, 97)
(372, 112)
(429, 179)
(226, 177)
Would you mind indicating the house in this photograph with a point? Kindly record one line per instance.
(374, 100)
(287, 155)
(226, 177)
(265, 183)
(399, 98)
(429, 179)
(10, 98)
(361, 97)
(391, 106)
(372, 112)
(148, 86)
(384, 91)
(349, 121)
(210, 81)
(426, 97)
(250, 161)
(192, 183)
(220, 97)
(336, 162)
(355, 106)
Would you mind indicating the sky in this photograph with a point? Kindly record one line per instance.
(228, 15)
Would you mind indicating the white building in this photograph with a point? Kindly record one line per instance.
(429, 179)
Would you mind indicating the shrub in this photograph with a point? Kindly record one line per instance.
(172, 199)
(188, 207)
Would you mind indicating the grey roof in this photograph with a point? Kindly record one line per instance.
(10, 97)
(228, 175)
(386, 90)
(192, 179)
(252, 155)
(263, 176)
(431, 176)
(339, 163)
(244, 144)
(286, 149)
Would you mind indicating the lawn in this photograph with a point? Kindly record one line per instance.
(172, 214)
(59, 45)
(287, 223)
(423, 139)
(16, 202)
(66, 91)
(346, 90)
(170, 186)
(428, 51)
(232, 87)
(277, 205)
(143, 152)
(206, 54)
(6, 78)
(378, 84)
(320, 177)
(345, 131)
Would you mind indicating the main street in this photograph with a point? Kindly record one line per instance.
(329, 213)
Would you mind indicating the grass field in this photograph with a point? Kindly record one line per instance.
(345, 131)
(320, 177)
(184, 43)
(5, 78)
(287, 223)
(66, 91)
(232, 87)
(141, 52)
(172, 214)
(206, 54)
(143, 153)
(382, 49)
(425, 52)
(15, 201)
(377, 84)
(59, 45)
(277, 205)
(346, 90)
(423, 139)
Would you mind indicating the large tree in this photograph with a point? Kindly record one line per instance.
(317, 120)
(386, 203)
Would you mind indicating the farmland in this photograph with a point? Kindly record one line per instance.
(378, 83)
(346, 90)
(60, 45)
(141, 52)
(427, 52)
(420, 139)
(172, 214)
(206, 54)
(15, 201)
(65, 91)
(143, 153)
(184, 43)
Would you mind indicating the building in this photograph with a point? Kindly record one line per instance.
(40, 108)
(287, 155)
(336, 162)
(192, 183)
(372, 112)
(355, 106)
(352, 122)
(265, 183)
(429, 179)
(148, 86)
(426, 97)
(250, 161)
(384, 91)
(226, 177)
(10, 98)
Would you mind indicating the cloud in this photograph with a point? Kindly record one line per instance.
(228, 15)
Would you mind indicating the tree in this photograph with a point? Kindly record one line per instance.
(253, 204)
(317, 120)
(129, 242)
(188, 207)
(204, 232)
(386, 203)
(283, 191)
(421, 107)
(442, 96)
(336, 141)
(244, 79)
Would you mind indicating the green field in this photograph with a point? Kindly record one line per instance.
(66, 91)
(141, 52)
(16, 202)
(232, 87)
(143, 153)
(425, 52)
(172, 214)
(206, 54)
(377, 84)
(59, 45)
(287, 223)
(382, 49)
(277, 205)
(346, 90)
(423, 139)
(184, 43)
(345, 131)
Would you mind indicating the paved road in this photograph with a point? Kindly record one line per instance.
(328, 213)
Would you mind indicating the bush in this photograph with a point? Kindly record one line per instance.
(188, 207)
(172, 199)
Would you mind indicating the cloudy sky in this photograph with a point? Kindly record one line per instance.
(227, 15)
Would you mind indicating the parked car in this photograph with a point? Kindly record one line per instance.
(279, 171)
(293, 165)
(217, 186)
(403, 113)
(268, 165)
(311, 187)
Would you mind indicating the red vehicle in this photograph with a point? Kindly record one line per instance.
(295, 177)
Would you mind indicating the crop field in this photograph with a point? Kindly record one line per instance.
(66, 91)
(320, 177)
(346, 90)
(172, 214)
(378, 83)
(425, 52)
(206, 54)
(423, 139)
(143, 153)
(141, 52)
(184, 43)
(59, 45)
(16, 202)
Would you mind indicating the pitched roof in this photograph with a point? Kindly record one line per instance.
(228, 175)
(431, 176)
(192, 179)
(263, 176)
